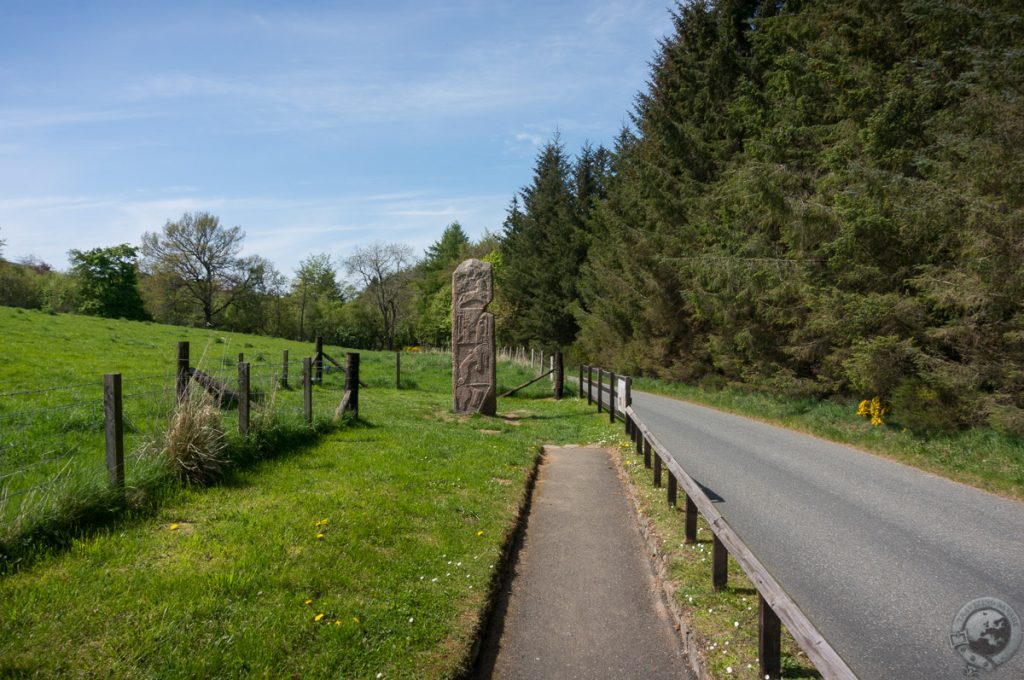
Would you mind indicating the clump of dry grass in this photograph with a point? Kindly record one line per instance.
(194, 444)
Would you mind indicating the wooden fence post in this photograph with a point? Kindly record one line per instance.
(559, 374)
(719, 564)
(398, 370)
(243, 398)
(182, 377)
(769, 640)
(590, 385)
(581, 381)
(319, 359)
(690, 521)
(657, 470)
(307, 389)
(284, 368)
(241, 357)
(612, 384)
(647, 453)
(672, 489)
(600, 387)
(352, 381)
(114, 427)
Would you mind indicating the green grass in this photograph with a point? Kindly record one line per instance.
(980, 457)
(418, 505)
(52, 472)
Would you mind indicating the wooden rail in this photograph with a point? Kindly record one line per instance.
(776, 606)
(525, 385)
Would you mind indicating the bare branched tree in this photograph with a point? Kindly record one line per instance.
(384, 270)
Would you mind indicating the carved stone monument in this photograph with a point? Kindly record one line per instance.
(473, 355)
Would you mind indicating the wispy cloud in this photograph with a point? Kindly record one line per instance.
(21, 118)
(282, 229)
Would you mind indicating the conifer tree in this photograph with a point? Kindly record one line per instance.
(542, 249)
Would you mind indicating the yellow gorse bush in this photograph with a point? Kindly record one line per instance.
(873, 409)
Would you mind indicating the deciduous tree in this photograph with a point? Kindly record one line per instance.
(204, 258)
(108, 282)
(383, 269)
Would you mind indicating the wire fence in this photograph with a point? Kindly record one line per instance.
(53, 440)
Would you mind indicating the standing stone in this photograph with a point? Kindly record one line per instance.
(473, 365)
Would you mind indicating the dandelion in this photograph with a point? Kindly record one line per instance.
(319, 537)
(308, 602)
(337, 622)
(480, 533)
(173, 527)
(318, 617)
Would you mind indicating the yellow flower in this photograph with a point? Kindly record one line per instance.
(862, 409)
(321, 523)
(173, 527)
(480, 533)
(355, 619)
(337, 622)
(319, 537)
(308, 602)
(877, 410)
(318, 617)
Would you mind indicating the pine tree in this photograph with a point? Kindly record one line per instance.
(542, 249)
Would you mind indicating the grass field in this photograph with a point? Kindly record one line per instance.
(369, 551)
(51, 404)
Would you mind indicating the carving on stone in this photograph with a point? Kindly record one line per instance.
(473, 354)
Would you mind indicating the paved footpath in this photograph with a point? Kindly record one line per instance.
(583, 601)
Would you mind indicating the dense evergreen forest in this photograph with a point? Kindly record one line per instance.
(813, 198)
(823, 198)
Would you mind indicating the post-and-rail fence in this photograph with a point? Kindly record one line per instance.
(775, 607)
(57, 440)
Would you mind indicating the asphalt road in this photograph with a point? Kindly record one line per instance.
(879, 556)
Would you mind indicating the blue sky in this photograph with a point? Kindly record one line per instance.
(316, 127)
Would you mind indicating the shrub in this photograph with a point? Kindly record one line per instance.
(1007, 419)
(877, 366)
(922, 407)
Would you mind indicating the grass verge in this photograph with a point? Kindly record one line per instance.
(367, 554)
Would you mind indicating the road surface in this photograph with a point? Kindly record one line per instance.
(879, 556)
